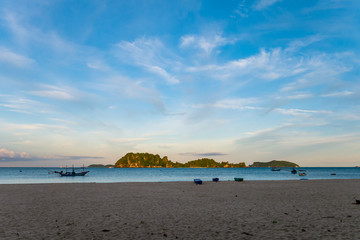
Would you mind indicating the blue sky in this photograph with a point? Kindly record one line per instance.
(241, 81)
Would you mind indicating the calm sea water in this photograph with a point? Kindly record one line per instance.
(105, 175)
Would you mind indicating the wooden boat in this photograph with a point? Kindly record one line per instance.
(197, 181)
(238, 179)
(72, 173)
(275, 169)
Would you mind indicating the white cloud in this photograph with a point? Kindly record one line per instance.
(128, 140)
(301, 112)
(237, 104)
(150, 54)
(54, 92)
(34, 126)
(300, 96)
(26, 34)
(267, 65)
(6, 153)
(262, 4)
(132, 89)
(234, 104)
(24, 155)
(205, 43)
(241, 10)
(8, 56)
(303, 42)
(162, 72)
(23, 105)
(98, 65)
(338, 94)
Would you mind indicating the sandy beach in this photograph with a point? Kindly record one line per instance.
(312, 209)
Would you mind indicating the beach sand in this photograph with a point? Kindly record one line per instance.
(312, 209)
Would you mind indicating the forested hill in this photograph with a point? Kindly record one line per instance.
(147, 160)
(274, 163)
(211, 163)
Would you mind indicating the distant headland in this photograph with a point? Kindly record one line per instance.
(274, 163)
(101, 166)
(148, 160)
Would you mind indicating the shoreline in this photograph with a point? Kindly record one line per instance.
(189, 181)
(257, 209)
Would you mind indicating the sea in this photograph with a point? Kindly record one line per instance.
(27, 175)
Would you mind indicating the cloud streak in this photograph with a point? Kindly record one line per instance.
(10, 156)
(262, 4)
(7, 56)
(149, 54)
(206, 43)
(206, 154)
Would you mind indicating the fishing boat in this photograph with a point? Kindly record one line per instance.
(302, 172)
(72, 173)
(275, 169)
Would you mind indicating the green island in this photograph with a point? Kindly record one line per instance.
(101, 166)
(148, 160)
(274, 163)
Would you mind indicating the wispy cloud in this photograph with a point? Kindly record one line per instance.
(267, 65)
(34, 126)
(205, 43)
(7, 56)
(338, 94)
(131, 89)
(54, 92)
(206, 154)
(323, 5)
(262, 4)
(98, 65)
(239, 104)
(300, 43)
(11, 156)
(295, 96)
(27, 34)
(301, 112)
(241, 10)
(150, 54)
(23, 105)
(128, 140)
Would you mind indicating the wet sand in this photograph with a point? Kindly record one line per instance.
(312, 209)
